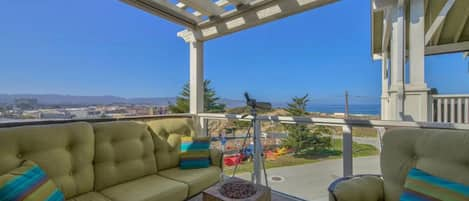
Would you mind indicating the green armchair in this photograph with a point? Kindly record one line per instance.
(442, 153)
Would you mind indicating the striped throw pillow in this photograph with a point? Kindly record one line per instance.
(194, 152)
(28, 183)
(422, 186)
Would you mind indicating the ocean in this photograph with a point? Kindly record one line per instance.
(368, 109)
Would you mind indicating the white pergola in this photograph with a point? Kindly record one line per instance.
(207, 19)
(403, 33)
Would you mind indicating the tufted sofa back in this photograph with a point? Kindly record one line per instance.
(124, 151)
(167, 139)
(441, 153)
(64, 151)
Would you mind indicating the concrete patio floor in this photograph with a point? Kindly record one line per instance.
(310, 181)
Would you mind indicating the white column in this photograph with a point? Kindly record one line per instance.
(196, 83)
(397, 61)
(417, 44)
(384, 87)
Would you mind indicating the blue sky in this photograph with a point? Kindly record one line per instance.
(94, 47)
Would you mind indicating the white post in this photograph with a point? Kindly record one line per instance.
(196, 84)
(384, 87)
(347, 150)
(397, 61)
(417, 44)
(257, 174)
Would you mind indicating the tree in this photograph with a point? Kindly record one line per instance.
(300, 137)
(210, 100)
(298, 106)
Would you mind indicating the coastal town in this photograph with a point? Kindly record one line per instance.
(30, 108)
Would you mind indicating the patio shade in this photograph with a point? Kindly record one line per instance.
(208, 19)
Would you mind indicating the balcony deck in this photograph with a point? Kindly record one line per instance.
(305, 181)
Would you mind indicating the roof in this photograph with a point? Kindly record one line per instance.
(208, 19)
(446, 25)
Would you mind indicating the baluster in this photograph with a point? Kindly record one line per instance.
(445, 110)
(438, 110)
(452, 111)
(466, 112)
(459, 110)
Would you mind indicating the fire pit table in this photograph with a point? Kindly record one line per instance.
(233, 189)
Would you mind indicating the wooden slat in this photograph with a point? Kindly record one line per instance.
(238, 2)
(205, 7)
(222, 3)
(258, 12)
(166, 10)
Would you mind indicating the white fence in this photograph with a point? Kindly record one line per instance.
(450, 108)
(346, 125)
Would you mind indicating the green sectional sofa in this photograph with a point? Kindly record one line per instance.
(111, 161)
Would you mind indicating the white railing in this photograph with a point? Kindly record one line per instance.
(346, 125)
(450, 108)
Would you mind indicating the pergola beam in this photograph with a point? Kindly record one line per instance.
(438, 21)
(205, 7)
(448, 48)
(166, 10)
(239, 2)
(258, 12)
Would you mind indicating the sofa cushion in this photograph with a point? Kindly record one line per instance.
(149, 188)
(64, 151)
(442, 153)
(124, 151)
(167, 139)
(197, 179)
(91, 196)
(420, 185)
(28, 182)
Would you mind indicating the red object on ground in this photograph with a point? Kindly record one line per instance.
(232, 160)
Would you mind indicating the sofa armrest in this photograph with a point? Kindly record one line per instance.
(357, 188)
(216, 156)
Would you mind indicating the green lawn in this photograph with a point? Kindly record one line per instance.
(309, 156)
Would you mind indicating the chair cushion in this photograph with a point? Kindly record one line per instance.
(167, 138)
(197, 179)
(194, 152)
(149, 188)
(29, 183)
(124, 151)
(420, 185)
(64, 151)
(91, 196)
(442, 153)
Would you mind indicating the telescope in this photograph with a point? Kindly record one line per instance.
(254, 104)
